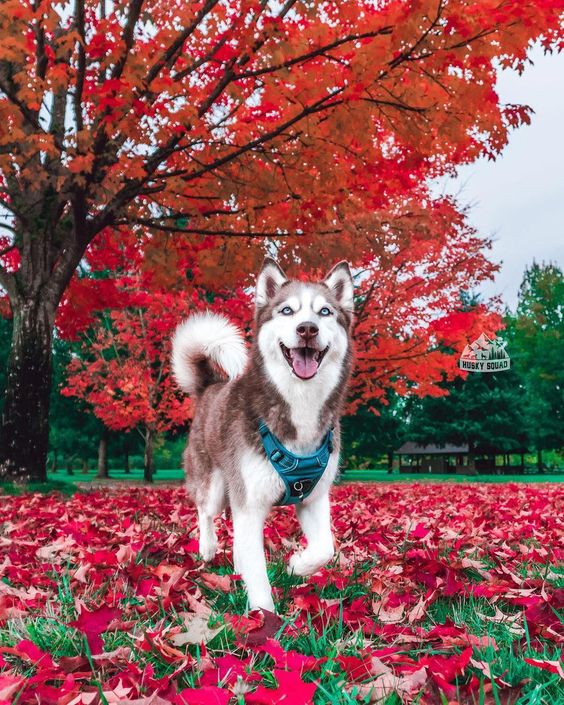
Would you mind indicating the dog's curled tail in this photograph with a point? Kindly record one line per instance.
(206, 348)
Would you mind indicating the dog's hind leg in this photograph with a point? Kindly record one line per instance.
(210, 505)
(315, 520)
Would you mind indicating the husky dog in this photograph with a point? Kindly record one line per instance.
(288, 391)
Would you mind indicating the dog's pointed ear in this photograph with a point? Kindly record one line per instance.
(340, 282)
(269, 280)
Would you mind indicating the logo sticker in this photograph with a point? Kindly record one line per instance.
(485, 355)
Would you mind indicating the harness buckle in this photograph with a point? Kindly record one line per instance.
(302, 486)
(276, 455)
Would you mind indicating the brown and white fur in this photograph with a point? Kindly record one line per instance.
(294, 378)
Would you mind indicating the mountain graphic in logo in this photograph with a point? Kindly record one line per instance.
(485, 355)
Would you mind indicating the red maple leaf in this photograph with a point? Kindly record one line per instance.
(93, 624)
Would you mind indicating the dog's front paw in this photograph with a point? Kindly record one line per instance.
(306, 563)
(208, 550)
(262, 602)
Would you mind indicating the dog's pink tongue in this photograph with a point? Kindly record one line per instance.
(304, 363)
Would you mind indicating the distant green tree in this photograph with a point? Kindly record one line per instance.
(484, 411)
(367, 435)
(536, 339)
(481, 410)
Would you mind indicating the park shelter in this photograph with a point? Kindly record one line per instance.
(456, 459)
(430, 458)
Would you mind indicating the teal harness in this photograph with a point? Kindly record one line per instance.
(299, 473)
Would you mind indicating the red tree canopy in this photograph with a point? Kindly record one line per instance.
(245, 117)
(409, 313)
(125, 320)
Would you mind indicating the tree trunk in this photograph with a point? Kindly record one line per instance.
(103, 454)
(70, 461)
(390, 462)
(539, 460)
(24, 431)
(471, 460)
(126, 467)
(148, 460)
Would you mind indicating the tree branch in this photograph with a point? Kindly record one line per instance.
(314, 53)
(393, 104)
(230, 74)
(128, 36)
(156, 225)
(320, 105)
(8, 281)
(176, 45)
(81, 65)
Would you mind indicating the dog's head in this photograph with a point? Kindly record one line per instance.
(303, 327)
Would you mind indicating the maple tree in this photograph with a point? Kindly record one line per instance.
(237, 118)
(124, 373)
(410, 320)
(121, 368)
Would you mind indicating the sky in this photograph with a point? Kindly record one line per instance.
(518, 200)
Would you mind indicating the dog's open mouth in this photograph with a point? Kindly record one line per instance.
(304, 361)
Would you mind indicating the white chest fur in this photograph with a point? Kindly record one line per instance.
(305, 399)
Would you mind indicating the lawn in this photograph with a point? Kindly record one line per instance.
(439, 593)
(169, 475)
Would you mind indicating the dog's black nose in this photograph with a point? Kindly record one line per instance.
(307, 330)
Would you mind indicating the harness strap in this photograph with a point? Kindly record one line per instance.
(299, 473)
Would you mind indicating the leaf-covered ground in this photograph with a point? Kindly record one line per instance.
(439, 594)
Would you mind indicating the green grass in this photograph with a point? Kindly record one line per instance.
(348, 475)
(136, 475)
(62, 482)
(384, 476)
(66, 486)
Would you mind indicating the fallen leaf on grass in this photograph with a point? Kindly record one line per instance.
(552, 666)
(291, 690)
(216, 582)
(9, 685)
(153, 699)
(207, 695)
(386, 683)
(254, 629)
(289, 659)
(393, 615)
(197, 631)
(93, 624)
(420, 610)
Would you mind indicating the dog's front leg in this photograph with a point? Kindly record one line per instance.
(248, 555)
(315, 520)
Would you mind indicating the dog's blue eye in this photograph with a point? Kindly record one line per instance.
(325, 311)
(286, 311)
